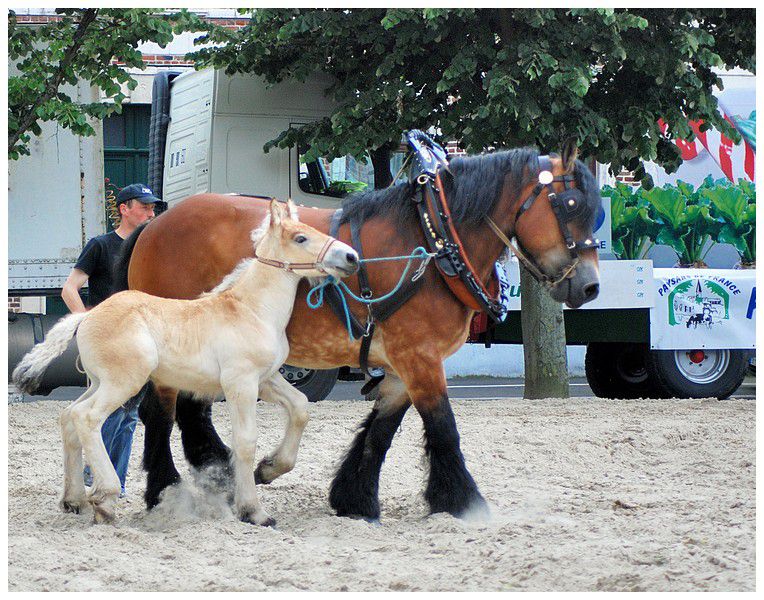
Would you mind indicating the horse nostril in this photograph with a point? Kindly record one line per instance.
(352, 258)
(591, 291)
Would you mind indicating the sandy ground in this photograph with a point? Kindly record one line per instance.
(586, 494)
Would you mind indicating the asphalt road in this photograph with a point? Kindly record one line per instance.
(491, 388)
(459, 388)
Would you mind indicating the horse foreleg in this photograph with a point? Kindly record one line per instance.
(156, 411)
(450, 487)
(355, 488)
(241, 398)
(295, 403)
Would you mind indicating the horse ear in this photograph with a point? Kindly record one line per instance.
(276, 213)
(569, 155)
(292, 210)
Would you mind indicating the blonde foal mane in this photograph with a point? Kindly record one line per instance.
(256, 236)
(230, 280)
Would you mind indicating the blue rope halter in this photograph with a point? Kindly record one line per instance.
(318, 290)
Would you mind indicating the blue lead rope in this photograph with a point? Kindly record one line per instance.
(418, 253)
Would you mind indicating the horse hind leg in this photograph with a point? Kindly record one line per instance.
(355, 488)
(202, 446)
(295, 403)
(88, 417)
(74, 496)
(157, 411)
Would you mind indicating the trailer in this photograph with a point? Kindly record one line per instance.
(653, 333)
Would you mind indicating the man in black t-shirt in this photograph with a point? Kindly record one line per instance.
(135, 204)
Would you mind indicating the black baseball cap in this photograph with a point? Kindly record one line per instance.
(137, 191)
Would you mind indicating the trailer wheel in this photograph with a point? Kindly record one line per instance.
(618, 370)
(314, 383)
(698, 373)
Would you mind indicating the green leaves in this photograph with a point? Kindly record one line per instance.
(633, 228)
(82, 46)
(736, 207)
(501, 77)
(688, 220)
(729, 202)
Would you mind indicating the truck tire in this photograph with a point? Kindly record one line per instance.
(314, 383)
(618, 370)
(698, 373)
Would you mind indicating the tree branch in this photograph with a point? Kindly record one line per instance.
(88, 17)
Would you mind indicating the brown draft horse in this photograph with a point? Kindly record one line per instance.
(191, 247)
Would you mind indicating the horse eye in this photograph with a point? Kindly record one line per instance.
(300, 239)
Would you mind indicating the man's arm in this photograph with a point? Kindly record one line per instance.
(71, 290)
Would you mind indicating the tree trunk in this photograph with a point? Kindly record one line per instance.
(380, 160)
(546, 364)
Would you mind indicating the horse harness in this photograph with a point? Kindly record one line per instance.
(378, 312)
(567, 206)
(449, 256)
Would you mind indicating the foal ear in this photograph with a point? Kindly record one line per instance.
(292, 210)
(569, 155)
(276, 213)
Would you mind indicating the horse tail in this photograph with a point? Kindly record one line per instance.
(29, 371)
(119, 272)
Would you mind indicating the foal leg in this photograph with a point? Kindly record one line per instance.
(295, 403)
(74, 486)
(241, 398)
(157, 412)
(355, 488)
(88, 417)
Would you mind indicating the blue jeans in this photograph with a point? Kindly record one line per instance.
(117, 433)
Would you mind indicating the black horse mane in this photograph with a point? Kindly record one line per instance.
(472, 190)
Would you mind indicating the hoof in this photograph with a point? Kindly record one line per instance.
(269, 522)
(472, 508)
(263, 520)
(101, 515)
(71, 506)
(260, 478)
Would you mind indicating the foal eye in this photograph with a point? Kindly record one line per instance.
(300, 239)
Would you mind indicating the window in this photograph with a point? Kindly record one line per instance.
(341, 176)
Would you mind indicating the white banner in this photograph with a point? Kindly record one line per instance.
(703, 308)
(623, 284)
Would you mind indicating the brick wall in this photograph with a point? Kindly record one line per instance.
(627, 177)
(454, 149)
(14, 304)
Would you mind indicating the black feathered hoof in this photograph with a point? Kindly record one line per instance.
(354, 502)
(462, 507)
(153, 496)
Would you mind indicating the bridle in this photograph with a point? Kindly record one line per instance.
(292, 267)
(567, 206)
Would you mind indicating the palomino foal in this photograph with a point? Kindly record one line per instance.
(230, 341)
